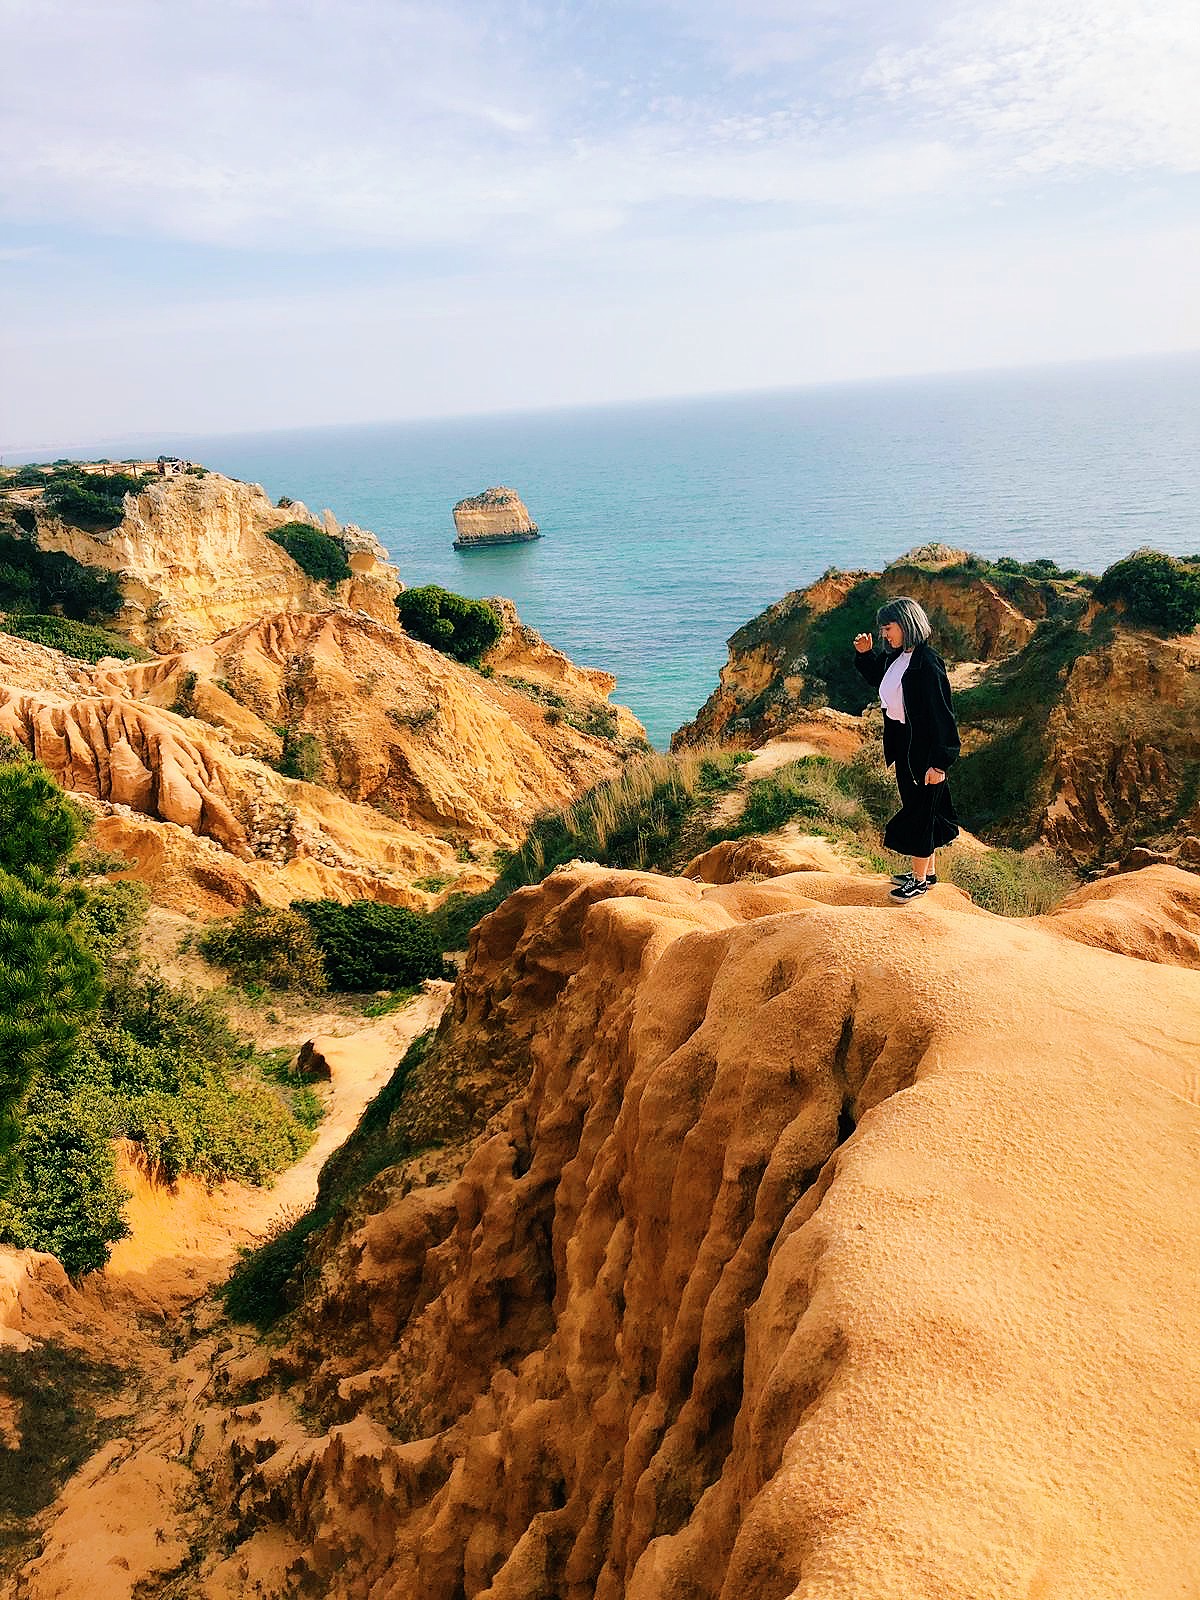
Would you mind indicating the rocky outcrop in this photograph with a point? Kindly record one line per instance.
(194, 560)
(1123, 751)
(409, 759)
(497, 516)
(802, 1261)
(526, 661)
(796, 655)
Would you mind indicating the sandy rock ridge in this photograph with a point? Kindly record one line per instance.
(412, 756)
(823, 1249)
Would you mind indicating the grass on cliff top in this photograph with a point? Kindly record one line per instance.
(849, 802)
(643, 818)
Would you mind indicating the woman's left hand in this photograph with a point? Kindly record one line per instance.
(935, 775)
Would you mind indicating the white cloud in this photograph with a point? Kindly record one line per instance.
(1061, 86)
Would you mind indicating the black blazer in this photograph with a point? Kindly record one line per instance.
(929, 737)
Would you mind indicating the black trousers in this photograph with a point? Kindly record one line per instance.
(926, 818)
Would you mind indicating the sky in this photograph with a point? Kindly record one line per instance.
(248, 214)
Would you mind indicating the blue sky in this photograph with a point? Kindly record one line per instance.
(251, 214)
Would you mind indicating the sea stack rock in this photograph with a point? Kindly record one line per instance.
(497, 516)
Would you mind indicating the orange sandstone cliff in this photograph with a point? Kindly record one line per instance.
(410, 756)
(754, 1242)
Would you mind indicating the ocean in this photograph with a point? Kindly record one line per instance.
(668, 524)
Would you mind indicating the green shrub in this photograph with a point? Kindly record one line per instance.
(318, 556)
(369, 945)
(270, 945)
(462, 628)
(65, 1197)
(1010, 883)
(184, 703)
(84, 1063)
(301, 756)
(39, 825)
(44, 581)
(815, 789)
(110, 920)
(49, 988)
(78, 639)
(1155, 589)
(89, 500)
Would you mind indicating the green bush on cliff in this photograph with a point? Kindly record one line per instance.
(78, 639)
(318, 556)
(94, 1047)
(458, 627)
(1010, 883)
(268, 1281)
(1155, 589)
(44, 581)
(651, 815)
(90, 500)
(369, 945)
(270, 945)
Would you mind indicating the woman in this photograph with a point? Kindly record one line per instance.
(920, 738)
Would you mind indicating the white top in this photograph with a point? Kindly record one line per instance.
(890, 696)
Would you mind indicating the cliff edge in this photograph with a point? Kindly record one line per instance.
(779, 1259)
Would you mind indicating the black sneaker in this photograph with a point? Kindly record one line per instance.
(907, 877)
(912, 890)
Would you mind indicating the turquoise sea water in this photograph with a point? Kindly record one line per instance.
(668, 525)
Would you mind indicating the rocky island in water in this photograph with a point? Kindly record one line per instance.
(497, 516)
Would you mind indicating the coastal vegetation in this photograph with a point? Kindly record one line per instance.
(368, 944)
(270, 1280)
(33, 580)
(318, 555)
(315, 945)
(81, 640)
(1155, 589)
(269, 947)
(458, 627)
(95, 1046)
(648, 817)
(848, 802)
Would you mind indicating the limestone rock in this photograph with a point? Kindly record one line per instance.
(497, 516)
(416, 755)
(803, 1260)
(1122, 743)
(780, 666)
(194, 560)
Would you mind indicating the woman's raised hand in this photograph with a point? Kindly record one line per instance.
(862, 643)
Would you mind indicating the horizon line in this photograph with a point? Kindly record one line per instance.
(28, 454)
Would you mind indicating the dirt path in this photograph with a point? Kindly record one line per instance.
(186, 1236)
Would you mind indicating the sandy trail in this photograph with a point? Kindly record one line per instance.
(185, 1236)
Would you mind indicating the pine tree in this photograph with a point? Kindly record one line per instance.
(49, 980)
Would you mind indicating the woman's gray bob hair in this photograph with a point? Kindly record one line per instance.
(914, 624)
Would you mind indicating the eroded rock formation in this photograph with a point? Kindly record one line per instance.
(407, 755)
(194, 560)
(805, 1259)
(497, 516)
(782, 664)
(1123, 747)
